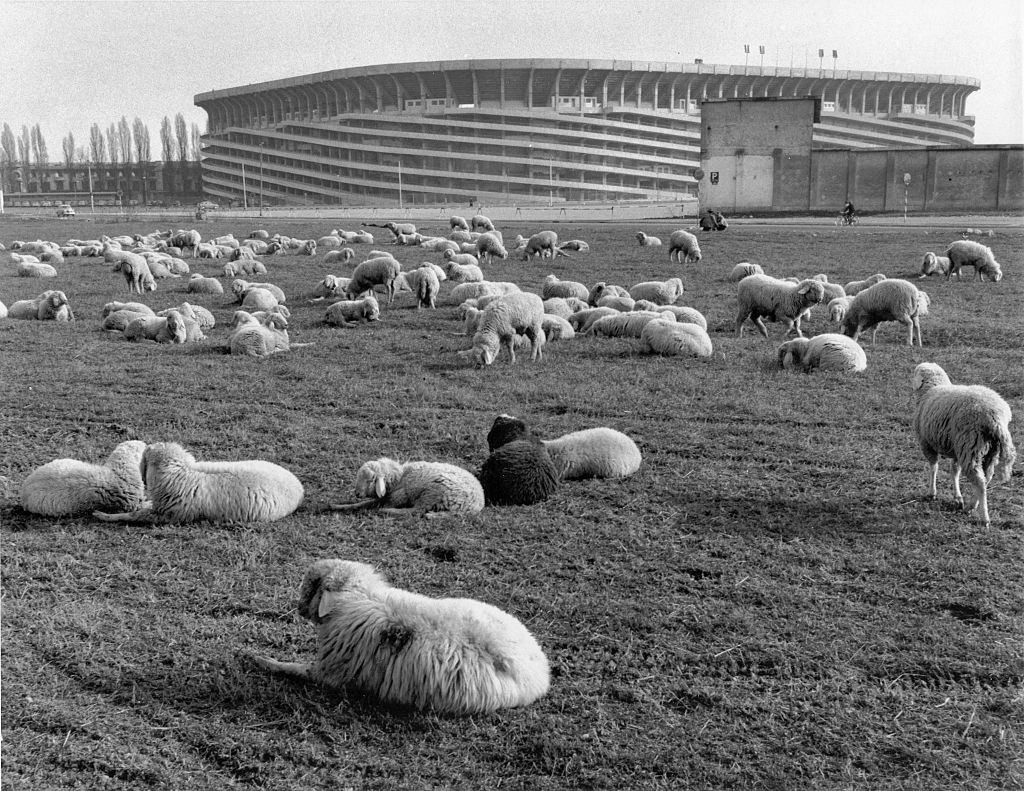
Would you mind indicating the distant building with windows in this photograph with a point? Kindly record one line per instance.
(517, 131)
(152, 182)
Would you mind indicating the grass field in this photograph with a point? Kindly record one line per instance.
(769, 603)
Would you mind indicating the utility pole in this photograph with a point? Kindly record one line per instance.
(245, 197)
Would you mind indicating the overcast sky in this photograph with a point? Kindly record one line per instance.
(67, 65)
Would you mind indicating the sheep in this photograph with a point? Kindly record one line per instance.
(553, 287)
(330, 286)
(162, 329)
(502, 320)
(158, 269)
(560, 306)
(462, 259)
(838, 308)
(448, 656)
(934, 264)
(360, 237)
(374, 271)
(29, 269)
(488, 246)
(425, 284)
(964, 252)
(69, 487)
(682, 314)
(662, 336)
(660, 292)
(191, 319)
(519, 469)
(256, 338)
(464, 291)
(259, 299)
(244, 267)
(744, 269)
(625, 325)
(622, 304)
(438, 245)
(481, 222)
(202, 316)
(426, 488)
(400, 228)
(829, 351)
(242, 287)
(555, 328)
(197, 284)
(330, 242)
(763, 297)
(855, 287)
(582, 320)
(683, 247)
(119, 320)
(348, 313)
(455, 222)
(182, 490)
(602, 289)
(647, 241)
(462, 273)
(891, 299)
(969, 424)
(48, 306)
(543, 244)
(575, 244)
(344, 255)
(135, 307)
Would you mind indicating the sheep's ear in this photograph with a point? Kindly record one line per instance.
(804, 290)
(379, 486)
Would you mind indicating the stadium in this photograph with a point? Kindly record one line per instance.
(532, 131)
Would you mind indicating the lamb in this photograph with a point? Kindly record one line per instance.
(829, 351)
(647, 241)
(502, 320)
(330, 286)
(375, 271)
(344, 255)
(489, 246)
(260, 338)
(162, 329)
(425, 487)
(425, 284)
(838, 308)
(855, 287)
(48, 306)
(560, 306)
(479, 221)
(683, 247)
(448, 656)
(662, 336)
(831, 290)
(29, 269)
(763, 297)
(183, 490)
(553, 287)
(888, 300)
(69, 487)
(543, 244)
(555, 328)
(575, 244)
(197, 284)
(462, 273)
(602, 289)
(934, 263)
(969, 424)
(349, 313)
(625, 325)
(119, 320)
(192, 320)
(744, 269)
(964, 252)
(519, 470)
(400, 228)
(660, 292)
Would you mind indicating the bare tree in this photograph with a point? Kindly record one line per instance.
(168, 145)
(195, 142)
(142, 153)
(181, 130)
(97, 145)
(68, 147)
(113, 144)
(81, 155)
(39, 155)
(8, 157)
(124, 142)
(25, 158)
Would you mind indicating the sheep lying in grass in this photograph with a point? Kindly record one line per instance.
(519, 470)
(601, 290)
(69, 487)
(29, 269)
(448, 656)
(969, 424)
(240, 288)
(621, 304)
(464, 291)
(197, 284)
(424, 487)
(763, 297)
(555, 328)
(192, 319)
(933, 264)
(563, 306)
(502, 320)
(647, 241)
(681, 313)
(583, 320)
(744, 269)
(553, 287)
(575, 244)
(462, 273)
(183, 490)
(48, 306)
(625, 325)
(665, 337)
(683, 248)
(660, 292)
(352, 312)
(259, 335)
(855, 287)
(344, 255)
(829, 351)
(162, 329)
(964, 252)
(891, 299)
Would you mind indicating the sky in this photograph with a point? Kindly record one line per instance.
(66, 65)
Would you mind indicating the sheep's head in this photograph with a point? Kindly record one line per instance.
(448, 254)
(811, 291)
(640, 236)
(326, 581)
(176, 326)
(242, 317)
(930, 264)
(375, 478)
(161, 455)
(371, 309)
(792, 352)
(927, 376)
(504, 430)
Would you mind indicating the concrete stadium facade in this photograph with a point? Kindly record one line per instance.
(532, 131)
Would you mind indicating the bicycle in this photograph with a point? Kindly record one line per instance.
(846, 219)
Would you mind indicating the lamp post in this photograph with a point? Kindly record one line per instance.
(261, 178)
(761, 50)
(746, 57)
(835, 57)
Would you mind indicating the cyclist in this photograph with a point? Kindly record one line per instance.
(849, 213)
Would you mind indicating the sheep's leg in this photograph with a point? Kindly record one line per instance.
(760, 326)
(299, 670)
(357, 506)
(740, 320)
(976, 480)
(509, 343)
(957, 494)
(143, 514)
(933, 476)
(916, 325)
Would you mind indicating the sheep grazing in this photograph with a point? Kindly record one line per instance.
(69, 487)
(683, 248)
(829, 351)
(969, 424)
(933, 264)
(425, 285)
(744, 269)
(447, 656)
(457, 222)
(647, 241)
(183, 490)
(162, 329)
(381, 271)
(855, 287)
(553, 287)
(891, 299)
(502, 320)
(197, 284)
(254, 337)
(424, 487)
(672, 338)
(349, 313)
(660, 292)
(519, 470)
(481, 223)
(964, 252)
(490, 246)
(543, 244)
(763, 297)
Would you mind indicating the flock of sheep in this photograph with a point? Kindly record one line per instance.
(459, 655)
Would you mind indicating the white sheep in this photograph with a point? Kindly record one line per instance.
(744, 269)
(555, 328)
(135, 307)
(969, 424)
(350, 312)
(838, 308)
(69, 487)
(543, 244)
(462, 273)
(30, 269)
(194, 317)
(502, 320)
(829, 351)
(964, 252)
(259, 337)
(425, 285)
(464, 291)
(259, 299)
(582, 320)
(481, 222)
(455, 221)
(933, 264)
(855, 287)
(242, 287)
(602, 289)
(372, 272)
(490, 246)
(425, 487)
(683, 247)
(48, 306)
(763, 297)
(181, 489)
(197, 284)
(660, 292)
(891, 299)
(647, 241)
(162, 329)
(553, 287)
(625, 325)
(344, 255)
(330, 286)
(662, 336)
(575, 244)
(461, 258)
(682, 313)
(448, 656)
(594, 453)
(559, 306)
